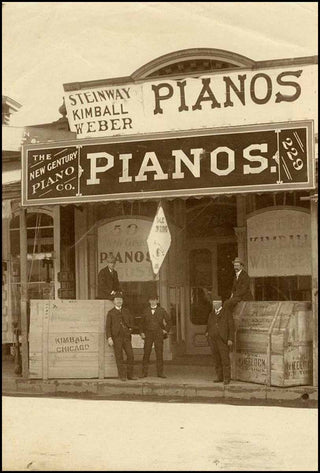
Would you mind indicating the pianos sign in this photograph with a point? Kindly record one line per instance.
(252, 159)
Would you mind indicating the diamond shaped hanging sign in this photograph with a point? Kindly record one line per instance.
(159, 240)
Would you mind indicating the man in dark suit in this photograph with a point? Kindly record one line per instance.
(108, 282)
(220, 333)
(118, 332)
(240, 288)
(155, 326)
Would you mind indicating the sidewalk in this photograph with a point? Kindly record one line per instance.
(185, 383)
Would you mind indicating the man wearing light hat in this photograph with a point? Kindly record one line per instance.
(108, 281)
(119, 327)
(240, 288)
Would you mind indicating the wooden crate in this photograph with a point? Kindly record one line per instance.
(67, 340)
(273, 343)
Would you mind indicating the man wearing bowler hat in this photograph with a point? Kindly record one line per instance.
(240, 288)
(119, 327)
(108, 281)
(220, 333)
(155, 326)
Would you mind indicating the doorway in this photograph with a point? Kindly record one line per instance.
(226, 252)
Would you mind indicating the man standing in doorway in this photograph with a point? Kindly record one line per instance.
(108, 282)
(220, 333)
(240, 288)
(155, 326)
(118, 331)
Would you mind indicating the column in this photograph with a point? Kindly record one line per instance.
(24, 294)
(56, 246)
(81, 253)
(314, 276)
(241, 235)
(241, 229)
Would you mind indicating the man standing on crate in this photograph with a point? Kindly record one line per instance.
(108, 281)
(240, 288)
(220, 334)
(118, 331)
(155, 326)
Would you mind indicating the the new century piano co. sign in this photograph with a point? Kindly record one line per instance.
(251, 159)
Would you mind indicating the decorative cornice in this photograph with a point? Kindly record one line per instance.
(233, 60)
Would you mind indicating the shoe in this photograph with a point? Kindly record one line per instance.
(161, 376)
(132, 378)
(226, 381)
(143, 376)
(219, 380)
(123, 379)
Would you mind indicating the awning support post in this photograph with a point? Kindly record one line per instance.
(24, 294)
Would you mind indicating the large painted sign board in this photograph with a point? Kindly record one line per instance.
(256, 158)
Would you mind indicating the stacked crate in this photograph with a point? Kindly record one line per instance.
(273, 343)
(67, 340)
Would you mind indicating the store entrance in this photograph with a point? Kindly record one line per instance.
(212, 246)
(211, 276)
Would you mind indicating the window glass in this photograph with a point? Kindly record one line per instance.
(289, 288)
(40, 265)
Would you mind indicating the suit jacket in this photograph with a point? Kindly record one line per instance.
(107, 282)
(114, 319)
(241, 288)
(221, 324)
(162, 318)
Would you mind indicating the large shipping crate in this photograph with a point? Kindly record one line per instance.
(273, 343)
(67, 340)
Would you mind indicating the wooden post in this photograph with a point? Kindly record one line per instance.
(81, 253)
(314, 286)
(24, 294)
(56, 247)
(269, 347)
(241, 229)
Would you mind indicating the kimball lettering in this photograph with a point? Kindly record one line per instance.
(72, 344)
(61, 340)
(111, 115)
(260, 89)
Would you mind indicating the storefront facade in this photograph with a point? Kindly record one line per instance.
(225, 144)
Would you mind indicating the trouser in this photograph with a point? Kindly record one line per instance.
(229, 305)
(153, 337)
(221, 359)
(119, 344)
